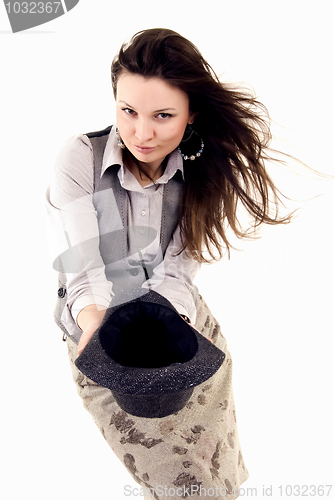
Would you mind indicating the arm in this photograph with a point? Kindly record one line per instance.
(73, 221)
(173, 278)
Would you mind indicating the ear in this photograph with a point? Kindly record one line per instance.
(191, 118)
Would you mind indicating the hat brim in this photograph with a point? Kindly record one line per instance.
(145, 348)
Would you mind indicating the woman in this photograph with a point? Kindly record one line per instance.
(185, 152)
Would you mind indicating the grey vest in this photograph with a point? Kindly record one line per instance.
(111, 204)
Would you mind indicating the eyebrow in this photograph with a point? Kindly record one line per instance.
(156, 111)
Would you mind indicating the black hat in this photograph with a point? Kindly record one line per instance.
(148, 356)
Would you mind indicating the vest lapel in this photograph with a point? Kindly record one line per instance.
(109, 180)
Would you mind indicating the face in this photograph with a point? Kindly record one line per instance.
(151, 117)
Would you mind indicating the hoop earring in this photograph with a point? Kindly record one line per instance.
(120, 143)
(190, 132)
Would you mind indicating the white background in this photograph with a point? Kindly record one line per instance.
(274, 299)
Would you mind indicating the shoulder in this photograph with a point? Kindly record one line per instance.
(75, 160)
(100, 133)
(74, 168)
(82, 143)
(78, 145)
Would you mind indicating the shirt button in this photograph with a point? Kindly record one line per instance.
(142, 231)
(61, 292)
(143, 212)
(143, 195)
(134, 272)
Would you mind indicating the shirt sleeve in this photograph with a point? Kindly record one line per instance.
(74, 227)
(174, 278)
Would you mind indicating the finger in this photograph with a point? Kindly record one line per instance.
(84, 339)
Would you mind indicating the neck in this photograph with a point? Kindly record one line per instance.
(144, 173)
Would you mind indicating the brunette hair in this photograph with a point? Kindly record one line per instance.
(235, 130)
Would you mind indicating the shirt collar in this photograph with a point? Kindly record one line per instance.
(113, 157)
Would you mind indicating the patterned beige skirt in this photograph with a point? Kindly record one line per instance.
(195, 452)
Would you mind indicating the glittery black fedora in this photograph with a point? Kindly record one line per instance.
(148, 356)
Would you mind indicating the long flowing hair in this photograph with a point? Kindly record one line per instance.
(234, 127)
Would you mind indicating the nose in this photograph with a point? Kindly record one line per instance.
(144, 131)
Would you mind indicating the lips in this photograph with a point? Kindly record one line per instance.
(144, 150)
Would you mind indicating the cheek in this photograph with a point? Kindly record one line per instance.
(119, 118)
(179, 132)
(123, 125)
(176, 132)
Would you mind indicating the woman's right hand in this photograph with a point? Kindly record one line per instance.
(89, 320)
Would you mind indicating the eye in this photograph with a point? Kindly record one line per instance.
(129, 111)
(164, 116)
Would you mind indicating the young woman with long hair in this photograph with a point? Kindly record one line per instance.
(187, 152)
